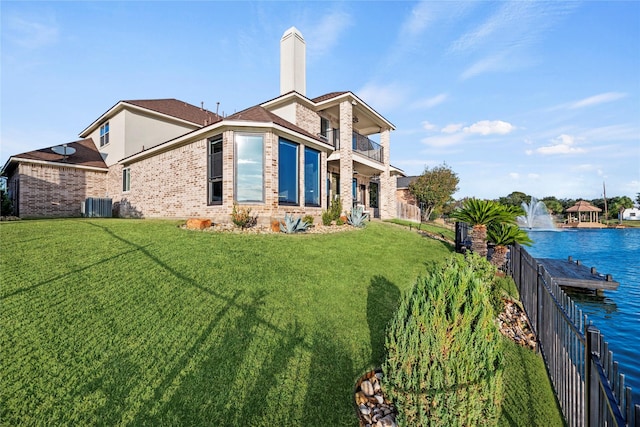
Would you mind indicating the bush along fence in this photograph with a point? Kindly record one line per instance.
(589, 388)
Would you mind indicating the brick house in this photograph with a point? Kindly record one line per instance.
(166, 158)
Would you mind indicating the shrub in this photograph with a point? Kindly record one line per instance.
(308, 219)
(242, 218)
(357, 217)
(292, 225)
(327, 217)
(444, 351)
(335, 208)
(339, 221)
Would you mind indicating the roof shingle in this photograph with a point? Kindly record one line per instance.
(179, 109)
(86, 155)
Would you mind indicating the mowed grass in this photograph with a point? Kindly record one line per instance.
(127, 322)
(112, 322)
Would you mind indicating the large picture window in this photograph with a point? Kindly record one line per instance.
(249, 170)
(287, 172)
(215, 170)
(104, 134)
(311, 177)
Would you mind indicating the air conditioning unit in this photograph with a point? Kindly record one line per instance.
(94, 207)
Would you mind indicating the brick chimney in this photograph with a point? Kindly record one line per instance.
(293, 62)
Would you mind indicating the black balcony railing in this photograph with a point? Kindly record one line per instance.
(369, 148)
(360, 144)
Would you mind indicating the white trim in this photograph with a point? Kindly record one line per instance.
(56, 164)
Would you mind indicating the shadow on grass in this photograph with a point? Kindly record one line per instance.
(244, 369)
(382, 301)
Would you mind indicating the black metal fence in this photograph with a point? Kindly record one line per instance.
(586, 379)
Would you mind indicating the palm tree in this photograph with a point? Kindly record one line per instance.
(479, 214)
(502, 235)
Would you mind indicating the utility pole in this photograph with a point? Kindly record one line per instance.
(606, 212)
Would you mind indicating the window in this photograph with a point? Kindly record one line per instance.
(373, 194)
(104, 134)
(324, 126)
(287, 172)
(311, 177)
(215, 170)
(354, 189)
(249, 171)
(126, 179)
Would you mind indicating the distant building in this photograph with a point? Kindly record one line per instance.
(629, 214)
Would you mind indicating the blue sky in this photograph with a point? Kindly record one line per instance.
(538, 97)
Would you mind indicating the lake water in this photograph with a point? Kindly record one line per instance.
(617, 313)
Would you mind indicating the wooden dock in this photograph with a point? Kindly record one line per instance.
(574, 274)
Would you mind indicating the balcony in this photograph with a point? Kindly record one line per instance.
(359, 143)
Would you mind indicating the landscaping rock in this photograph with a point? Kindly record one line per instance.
(198, 223)
(373, 409)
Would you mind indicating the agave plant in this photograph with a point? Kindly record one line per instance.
(503, 235)
(293, 225)
(479, 214)
(357, 217)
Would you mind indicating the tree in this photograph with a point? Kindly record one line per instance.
(638, 199)
(434, 188)
(515, 199)
(554, 206)
(479, 214)
(502, 235)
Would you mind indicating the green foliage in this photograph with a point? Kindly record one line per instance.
(515, 199)
(339, 221)
(357, 217)
(293, 225)
(482, 212)
(308, 219)
(327, 217)
(6, 206)
(505, 234)
(242, 217)
(433, 189)
(336, 208)
(444, 351)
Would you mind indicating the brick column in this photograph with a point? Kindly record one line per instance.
(346, 154)
(387, 182)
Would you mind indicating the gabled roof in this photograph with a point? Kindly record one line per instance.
(179, 109)
(583, 206)
(170, 107)
(86, 155)
(261, 114)
(328, 96)
(404, 181)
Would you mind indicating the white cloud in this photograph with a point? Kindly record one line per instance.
(452, 128)
(444, 140)
(428, 126)
(384, 97)
(597, 99)
(487, 127)
(322, 38)
(419, 19)
(533, 176)
(563, 144)
(430, 102)
(32, 34)
(514, 175)
(528, 152)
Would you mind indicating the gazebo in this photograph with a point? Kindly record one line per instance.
(587, 215)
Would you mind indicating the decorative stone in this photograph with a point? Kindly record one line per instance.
(367, 388)
(387, 421)
(364, 409)
(198, 223)
(379, 399)
(361, 398)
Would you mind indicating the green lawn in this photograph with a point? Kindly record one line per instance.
(110, 322)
